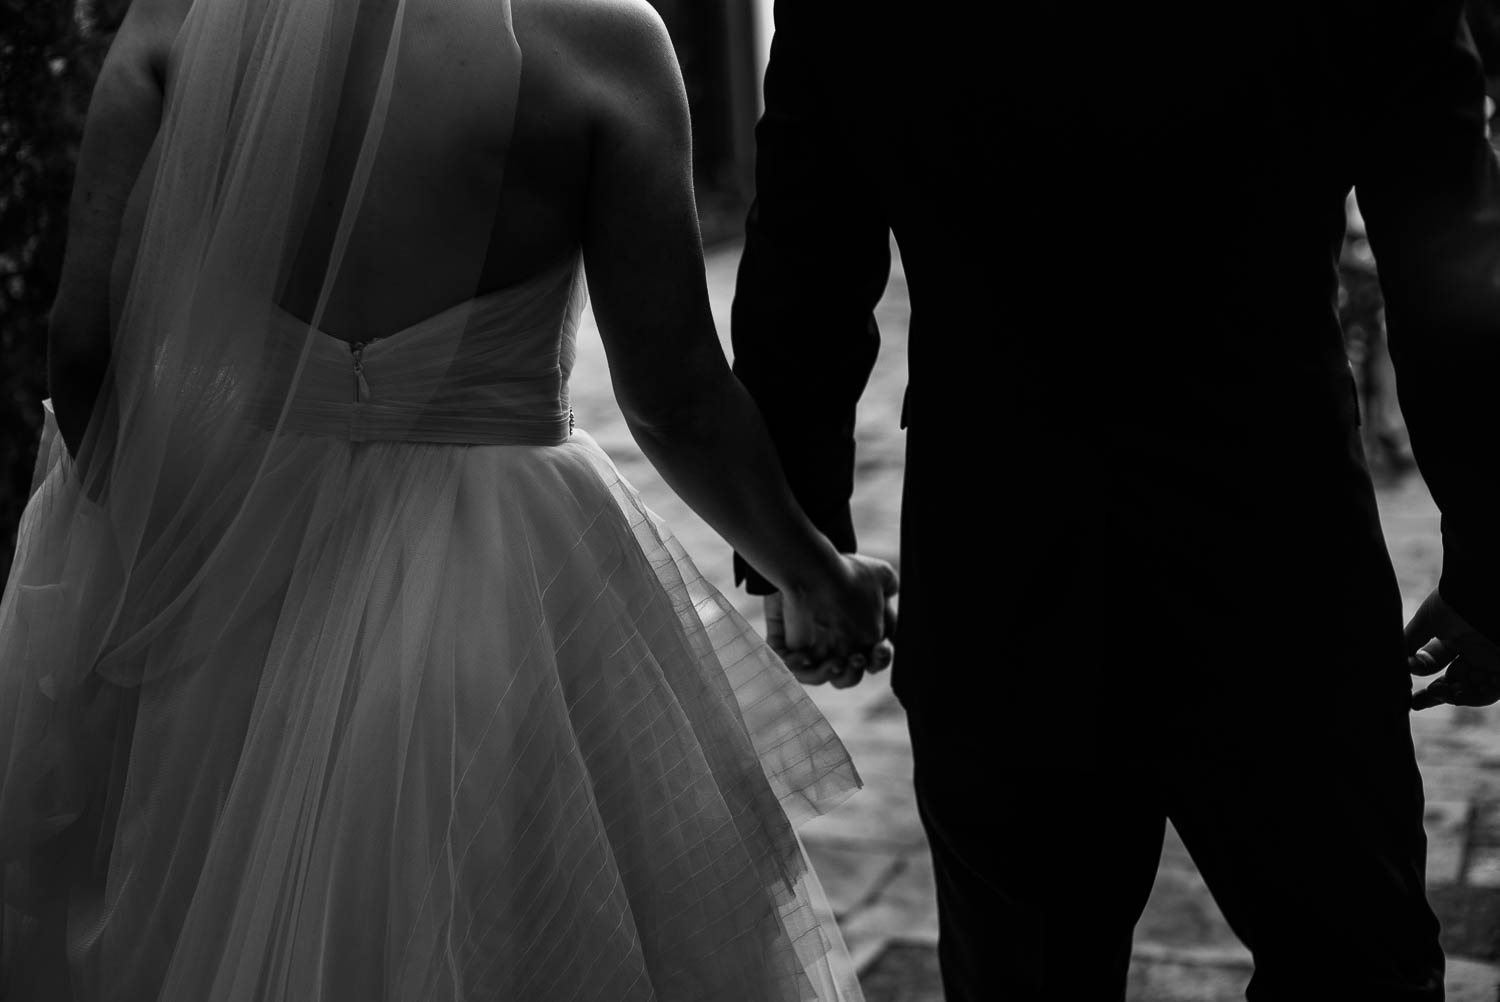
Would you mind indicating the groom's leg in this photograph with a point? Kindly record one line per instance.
(1041, 873)
(1315, 850)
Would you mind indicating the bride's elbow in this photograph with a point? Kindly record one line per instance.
(679, 416)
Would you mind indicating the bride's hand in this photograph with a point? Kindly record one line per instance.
(840, 625)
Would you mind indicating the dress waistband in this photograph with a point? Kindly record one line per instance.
(383, 421)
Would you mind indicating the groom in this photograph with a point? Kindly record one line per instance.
(1144, 576)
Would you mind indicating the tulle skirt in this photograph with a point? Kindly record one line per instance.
(459, 723)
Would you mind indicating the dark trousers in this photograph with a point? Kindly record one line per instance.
(1313, 847)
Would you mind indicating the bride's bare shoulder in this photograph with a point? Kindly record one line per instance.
(149, 30)
(610, 23)
(614, 48)
(164, 15)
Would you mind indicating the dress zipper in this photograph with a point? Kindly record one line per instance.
(361, 388)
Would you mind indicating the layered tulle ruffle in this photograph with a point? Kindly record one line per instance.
(454, 723)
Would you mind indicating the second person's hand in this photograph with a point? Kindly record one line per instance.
(1439, 640)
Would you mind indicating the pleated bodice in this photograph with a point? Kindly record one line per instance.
(489, 371)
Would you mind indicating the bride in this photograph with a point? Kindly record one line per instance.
(335, 664)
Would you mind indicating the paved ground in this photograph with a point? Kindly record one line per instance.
(871, 854)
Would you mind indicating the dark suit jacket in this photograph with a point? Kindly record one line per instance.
(1131, 423)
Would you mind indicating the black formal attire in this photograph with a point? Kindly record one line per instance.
(1143, 572)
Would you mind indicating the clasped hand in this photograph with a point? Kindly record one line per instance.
(1439, 640)
(839, 629)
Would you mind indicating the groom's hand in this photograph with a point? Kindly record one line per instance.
(1439, 640)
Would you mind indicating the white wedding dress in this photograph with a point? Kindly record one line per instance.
(400, 694)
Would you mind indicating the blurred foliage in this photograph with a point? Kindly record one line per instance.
(50, 52)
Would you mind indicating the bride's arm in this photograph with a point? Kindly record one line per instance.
(123, 118)
(643, 255)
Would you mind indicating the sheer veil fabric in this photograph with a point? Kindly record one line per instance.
(343, 668)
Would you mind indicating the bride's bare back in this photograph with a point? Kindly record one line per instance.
(456, 188)
(463, 201)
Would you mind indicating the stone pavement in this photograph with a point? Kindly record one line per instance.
(871, 854)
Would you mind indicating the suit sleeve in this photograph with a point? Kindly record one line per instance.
(816, 261)
(1429, 186)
